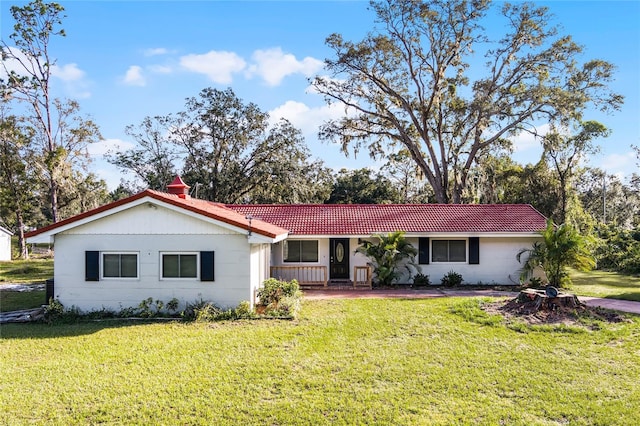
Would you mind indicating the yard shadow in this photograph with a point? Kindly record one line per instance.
(52, 331)
(631, 296)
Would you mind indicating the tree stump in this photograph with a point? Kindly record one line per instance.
(547, 300)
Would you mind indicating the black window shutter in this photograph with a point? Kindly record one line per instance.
(91, 265)
(423, 251)
(206, 266)
(474, 251)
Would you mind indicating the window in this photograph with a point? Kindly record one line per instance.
(449, 251)
(120, 265)
(179, 265)
(300, 251)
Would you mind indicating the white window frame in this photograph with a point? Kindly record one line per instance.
(101, 265)
(466, 250)
(191, 253)
(285, 245)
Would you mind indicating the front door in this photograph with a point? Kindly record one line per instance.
(339, 258)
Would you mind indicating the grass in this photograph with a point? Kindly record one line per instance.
(32, 271)
(26, 271)
(18, 300)
(606, 284)
(367, 361)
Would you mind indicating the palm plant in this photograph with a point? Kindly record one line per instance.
(388, 255)
(561, 247)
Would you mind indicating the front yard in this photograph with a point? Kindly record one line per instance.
(606, 284)
(368, 361)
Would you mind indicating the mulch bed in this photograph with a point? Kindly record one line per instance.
(532, 315)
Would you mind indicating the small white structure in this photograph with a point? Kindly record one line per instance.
(159, 245)
(5, 244)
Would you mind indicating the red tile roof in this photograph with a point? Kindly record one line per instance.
(205, 208)
(368, 219)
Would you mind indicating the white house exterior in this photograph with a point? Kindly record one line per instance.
(158, 245)
(5, 244)
(478, 241)
(169, 245)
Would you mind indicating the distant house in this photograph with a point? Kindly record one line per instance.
(5, 244)
(169, 245)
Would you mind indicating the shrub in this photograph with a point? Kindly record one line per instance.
(451, 279)
(388, 255)
(562, 247)
(421, 280)
(274, 290)
(280, 298)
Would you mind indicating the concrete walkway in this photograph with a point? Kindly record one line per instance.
(615, 304)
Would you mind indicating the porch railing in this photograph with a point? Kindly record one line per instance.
(306, 276)
(362, 276)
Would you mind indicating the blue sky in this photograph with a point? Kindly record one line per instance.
(125, 60)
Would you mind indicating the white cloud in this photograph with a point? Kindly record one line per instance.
(160, 69)
(218, 66)
(99, 149)
(12, 64)
(273, 65)
(73, 79)
(621, 165)
(305, 118)
(134, 77)
(156, 51)
(525, 141)
(68, 72)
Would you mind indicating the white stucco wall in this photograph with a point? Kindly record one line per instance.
(498, 263)
(137, 230)
(259, 267)
(5, 246)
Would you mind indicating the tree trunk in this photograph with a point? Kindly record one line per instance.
(53, 198)
(539, 300)
(24, 252)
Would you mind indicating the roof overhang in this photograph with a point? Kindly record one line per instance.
(422, 234)
(48, 233)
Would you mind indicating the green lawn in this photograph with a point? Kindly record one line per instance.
(606, 284)
(17, 300)
(34, 271)
(26, 271)
(346, 362)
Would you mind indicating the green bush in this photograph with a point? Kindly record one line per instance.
(618, 249)
(420, 280)
(388, 255)
(280, 298)
(451, 279)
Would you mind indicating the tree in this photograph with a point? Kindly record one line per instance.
(16, 179)
(359, 187)
(565, 153)
(231, 153)
(561, 247)
(60, 133)
(408, 84)
(390, 253)
(607, 199)
(501, 180)
(153, 160)
(407, 178)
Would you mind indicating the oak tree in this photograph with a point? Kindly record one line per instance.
(414, 83)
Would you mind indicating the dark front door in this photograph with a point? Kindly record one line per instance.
(339, 258)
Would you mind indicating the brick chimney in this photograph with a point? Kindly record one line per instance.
(179, 188)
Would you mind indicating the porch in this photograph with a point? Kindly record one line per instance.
(317, 277)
